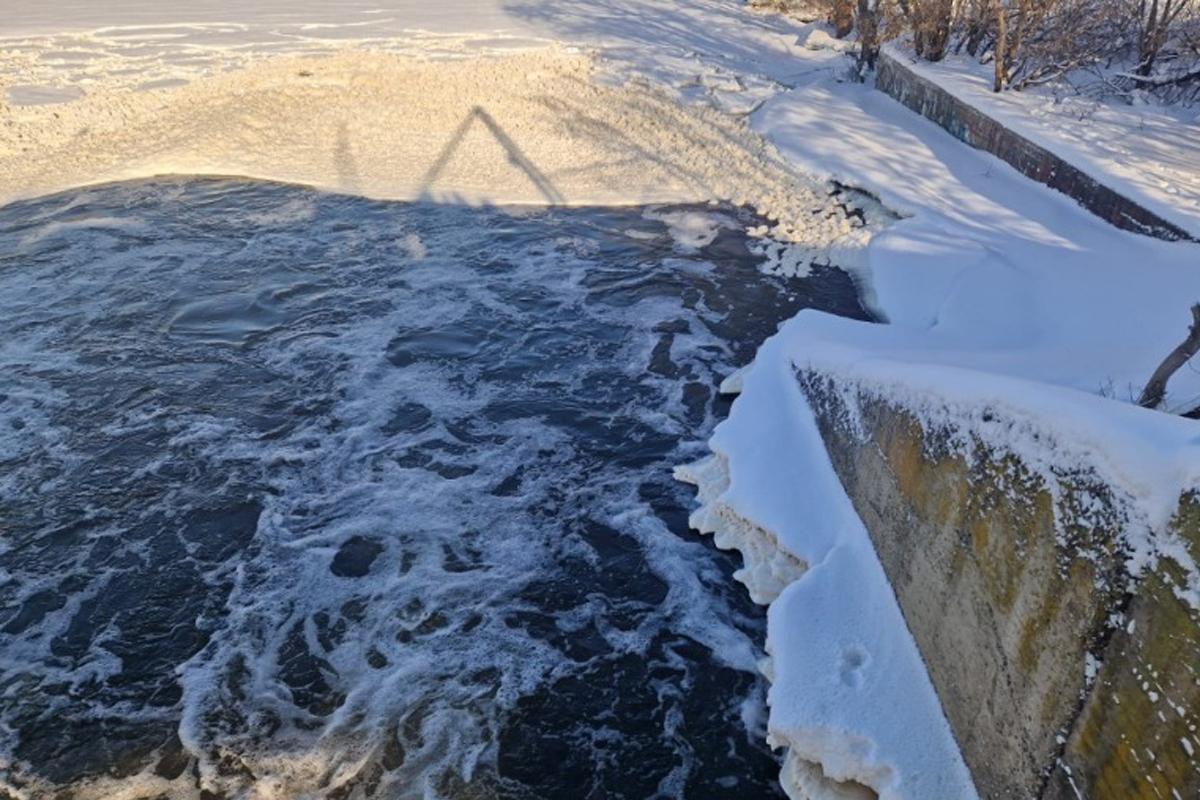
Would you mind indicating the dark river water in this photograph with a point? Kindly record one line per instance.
(304, 495)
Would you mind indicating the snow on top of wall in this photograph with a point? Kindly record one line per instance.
(1142, 459)
(850, 697)
(1150, 154)
(1150, 456)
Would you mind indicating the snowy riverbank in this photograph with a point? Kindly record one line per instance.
(610, 102)
(1015, 317)
(1149, 153)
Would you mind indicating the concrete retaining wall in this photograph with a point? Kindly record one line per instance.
(981, 131)
(1061, 675)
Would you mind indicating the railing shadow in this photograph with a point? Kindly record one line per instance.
(343, 161)
(516, 157)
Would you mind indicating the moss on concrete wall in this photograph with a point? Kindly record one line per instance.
(1138, 734)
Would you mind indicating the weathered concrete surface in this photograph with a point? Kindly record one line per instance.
(977, 129)
(1137, 736)
(1011, 588)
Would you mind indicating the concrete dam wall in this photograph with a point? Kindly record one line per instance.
(1063, 675)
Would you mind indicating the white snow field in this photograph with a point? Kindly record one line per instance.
(997, 290)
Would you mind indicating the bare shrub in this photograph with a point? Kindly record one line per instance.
(841, 16)
(931, 23)
(1128, 47)
(1048, 40)
(805, 10)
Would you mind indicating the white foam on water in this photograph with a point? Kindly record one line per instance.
(444, 426)
(691, 230)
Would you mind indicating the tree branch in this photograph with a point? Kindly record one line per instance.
(1156, 387)
(1162, 80)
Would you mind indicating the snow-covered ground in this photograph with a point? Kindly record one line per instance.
(995, 274)
(1150, 153)
(997, 290)
(1015, 316)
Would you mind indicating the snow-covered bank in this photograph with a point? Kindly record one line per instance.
(1092, 190)
(1006, 302)
(850, 699)
(990, 271)
(1149, 153)
(136, 87)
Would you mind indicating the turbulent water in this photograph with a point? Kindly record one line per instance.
(313, 496)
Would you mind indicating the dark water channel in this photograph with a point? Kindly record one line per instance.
(313, 496)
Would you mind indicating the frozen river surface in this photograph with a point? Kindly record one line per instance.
(306, 495)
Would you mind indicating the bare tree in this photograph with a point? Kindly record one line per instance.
(841, 17)
(867, 23)
(1039, 41)
(931, 22)
(1000, 50)
(976, 19)
(1156, 19)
